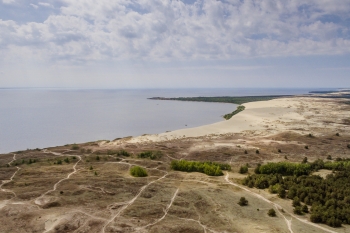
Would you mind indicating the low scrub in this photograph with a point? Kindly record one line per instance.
(150, 154)
(137, 171)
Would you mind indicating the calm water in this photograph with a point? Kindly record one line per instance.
(37, 118)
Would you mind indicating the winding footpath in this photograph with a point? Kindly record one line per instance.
(127, 204)
(8, 181)
(40, 200)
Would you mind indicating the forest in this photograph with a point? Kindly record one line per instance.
(224, 99)
(329, 198)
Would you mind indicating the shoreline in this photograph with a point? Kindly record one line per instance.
(260, 118)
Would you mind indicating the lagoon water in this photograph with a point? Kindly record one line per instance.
(38, 118)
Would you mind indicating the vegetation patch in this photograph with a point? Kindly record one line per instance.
(208, 168)
(150, 154)
(329, 197)
(137, 171)
(118, 153)
(238, 110)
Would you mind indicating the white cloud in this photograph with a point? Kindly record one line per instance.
(8, 1)
(34, 6)
(165, 30)
(45, 4)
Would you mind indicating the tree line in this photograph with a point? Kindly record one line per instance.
(209, 168)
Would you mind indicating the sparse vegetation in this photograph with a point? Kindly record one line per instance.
(137, 171)
(75, 147)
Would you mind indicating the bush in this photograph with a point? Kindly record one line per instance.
(257, 152)
(297, 210)
(243, 169)
(137, 171)
(271, 213)
(305, 209)
(337, 134)
(279, 151)
(245, 152)
(306, 147)
(243, 201)
(123, 153)
(150, 154)
(329, 157)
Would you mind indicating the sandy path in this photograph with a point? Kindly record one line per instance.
(278, 207)
(4, 203)
(165, 212)
(131, 202)
(40, 200)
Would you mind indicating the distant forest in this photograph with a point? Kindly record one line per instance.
(225, 99)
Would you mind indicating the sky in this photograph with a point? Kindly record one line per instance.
(175, 44)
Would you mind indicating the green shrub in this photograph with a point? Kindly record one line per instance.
(137, 171)
(297, 210)
(271, 213)
(123, 153)
(150, 154)
(243, 169)
(257, 152)
(243, 201)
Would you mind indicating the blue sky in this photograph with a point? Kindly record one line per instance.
(170, 44)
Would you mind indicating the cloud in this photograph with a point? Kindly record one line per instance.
(178, 30)
(45, 4)
(34, 6)
(8, 1)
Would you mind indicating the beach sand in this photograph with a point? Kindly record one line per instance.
(262, 118)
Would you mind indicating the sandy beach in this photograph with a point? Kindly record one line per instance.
(262, 118)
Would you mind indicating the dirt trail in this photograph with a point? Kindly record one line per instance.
(165, 212)
(131, 202)
(40, 200)
(278, 208)
(3, 182)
